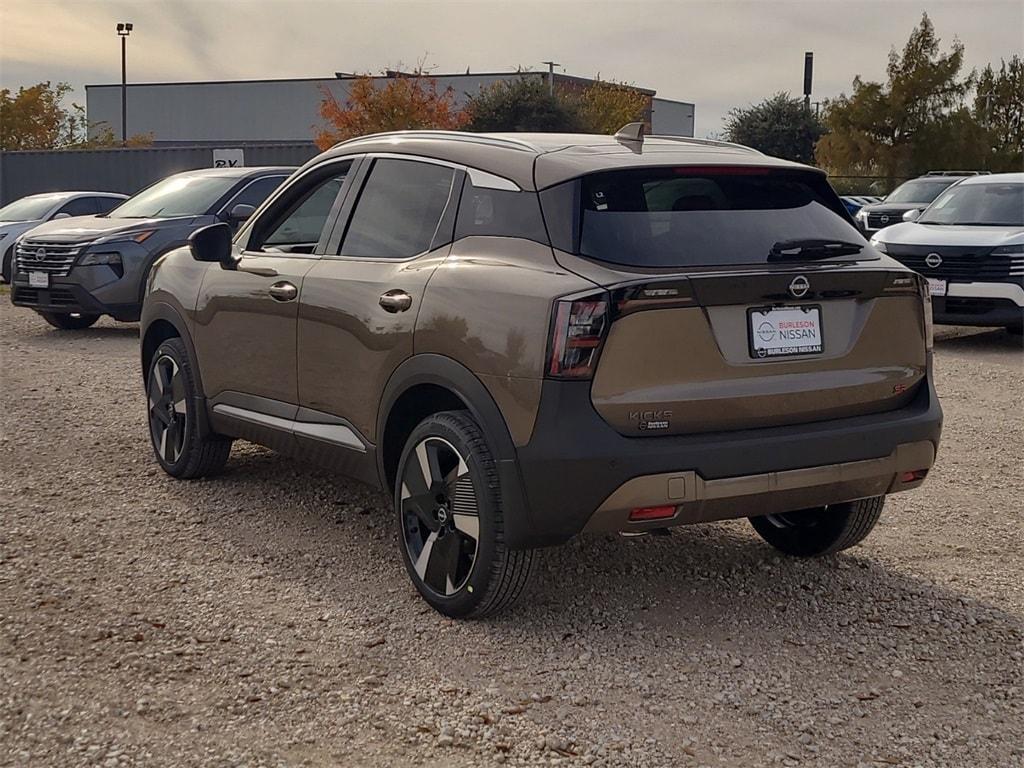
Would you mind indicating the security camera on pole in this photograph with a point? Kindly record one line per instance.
(123, 30)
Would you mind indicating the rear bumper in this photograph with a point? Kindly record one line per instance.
(983, 304)
(579, 474)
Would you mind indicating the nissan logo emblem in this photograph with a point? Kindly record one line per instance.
(799, 286)
(40, 255)
(933, 260)
(885, 219)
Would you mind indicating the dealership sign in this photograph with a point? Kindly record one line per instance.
(228, 158)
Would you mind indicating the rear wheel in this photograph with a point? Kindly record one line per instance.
(451, 520)
(69, 321)
(172, 392)
(822, 530)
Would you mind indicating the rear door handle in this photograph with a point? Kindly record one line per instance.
(396, 300)
(283, 291)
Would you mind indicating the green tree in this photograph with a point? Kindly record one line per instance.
(999, 107)
(521, 104)
(917, 120)
(605, 105)
(780, 126)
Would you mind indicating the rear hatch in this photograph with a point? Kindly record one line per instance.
(732, 298)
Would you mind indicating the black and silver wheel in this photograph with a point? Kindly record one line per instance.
(69, 321)
(821, 530)
(171, 393)
(450, 520)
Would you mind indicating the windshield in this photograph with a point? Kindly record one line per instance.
(675, 217)
(987, 204)
(181, 195)
(919, 190)
(29, 208)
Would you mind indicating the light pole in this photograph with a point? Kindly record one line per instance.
(123, 30)
(551, 75)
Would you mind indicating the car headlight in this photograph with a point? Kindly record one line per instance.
(96, 259)
(3, 235)
(862, 216)
(1008, 250)
(131, 237)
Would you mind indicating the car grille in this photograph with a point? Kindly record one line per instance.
(960, 264)
(45, 256)
(875, 220)
(54, 297)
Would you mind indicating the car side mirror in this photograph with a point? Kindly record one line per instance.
(213, 244)
(912, 215)
(62, 216)
(241, 212)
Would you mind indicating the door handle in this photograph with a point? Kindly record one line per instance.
(396, 300)
(283, 291)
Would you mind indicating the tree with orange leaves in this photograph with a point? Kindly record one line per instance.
(404, 102)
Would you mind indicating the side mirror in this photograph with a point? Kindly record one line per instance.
(241, 212)
(213, 244)
(62, 216)
(912, 215)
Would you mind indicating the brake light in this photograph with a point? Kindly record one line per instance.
(577, 332)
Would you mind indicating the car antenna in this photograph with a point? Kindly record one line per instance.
(631, 134)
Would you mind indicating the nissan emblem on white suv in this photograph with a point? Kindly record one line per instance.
(933, 260)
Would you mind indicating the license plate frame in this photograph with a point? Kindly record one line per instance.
(937, 287)
(38, 279)
(763, 352)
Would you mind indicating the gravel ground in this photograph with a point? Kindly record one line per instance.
(263, 617)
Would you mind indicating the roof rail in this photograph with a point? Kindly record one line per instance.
(478, 138)
(958, 173)
(705, 142)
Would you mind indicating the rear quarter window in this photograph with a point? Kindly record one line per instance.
(499, 213)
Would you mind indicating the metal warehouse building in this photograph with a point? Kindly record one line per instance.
(288, 110)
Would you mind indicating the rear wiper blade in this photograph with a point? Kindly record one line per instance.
(813, 249)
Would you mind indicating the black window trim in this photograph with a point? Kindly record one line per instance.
(226, 208)
(358, 184)
(308, 179)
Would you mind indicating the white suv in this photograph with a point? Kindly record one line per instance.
(969, 243)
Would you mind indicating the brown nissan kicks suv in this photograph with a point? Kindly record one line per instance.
(524, 337)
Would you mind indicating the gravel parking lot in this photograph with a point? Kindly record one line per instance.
(264, 618)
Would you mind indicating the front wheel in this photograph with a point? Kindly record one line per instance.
(821, 530)
(172, 395)
(67, 321)
(451, 520)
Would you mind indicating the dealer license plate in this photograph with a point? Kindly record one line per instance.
(39, 279)
(936, 287)
(785, 331)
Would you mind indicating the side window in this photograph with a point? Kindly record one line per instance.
(399, 209)
(104, 204)
(255, 192)
(486, 211)
(294, 223)
(80, 206)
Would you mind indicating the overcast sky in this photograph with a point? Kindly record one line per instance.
(717, 54)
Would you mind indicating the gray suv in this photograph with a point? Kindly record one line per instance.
(73, 270)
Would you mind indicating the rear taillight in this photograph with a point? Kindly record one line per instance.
(578, 329)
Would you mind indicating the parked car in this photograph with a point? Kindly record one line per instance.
(527, 336)
(913, 195)
(74, 270)
(969, 244)
(854, 203)
(20, 216)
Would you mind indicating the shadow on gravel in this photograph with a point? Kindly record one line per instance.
(979, 340)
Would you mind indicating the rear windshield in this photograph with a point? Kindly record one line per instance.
(677, 217)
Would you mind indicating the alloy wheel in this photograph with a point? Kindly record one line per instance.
(440, 517)
(168, 415)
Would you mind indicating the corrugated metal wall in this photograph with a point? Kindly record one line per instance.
(124, 170)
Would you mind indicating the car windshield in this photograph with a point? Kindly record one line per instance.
(29, 208)
(676, 217)
(182, 195)
(919, 191)
(988, 204)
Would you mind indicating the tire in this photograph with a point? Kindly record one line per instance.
(447, 493)
(7, 268)
(822, 530)
(69, 322)
(171, 394)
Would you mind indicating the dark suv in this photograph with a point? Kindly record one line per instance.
(914, 195)
(73, 270)
(524, 337)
